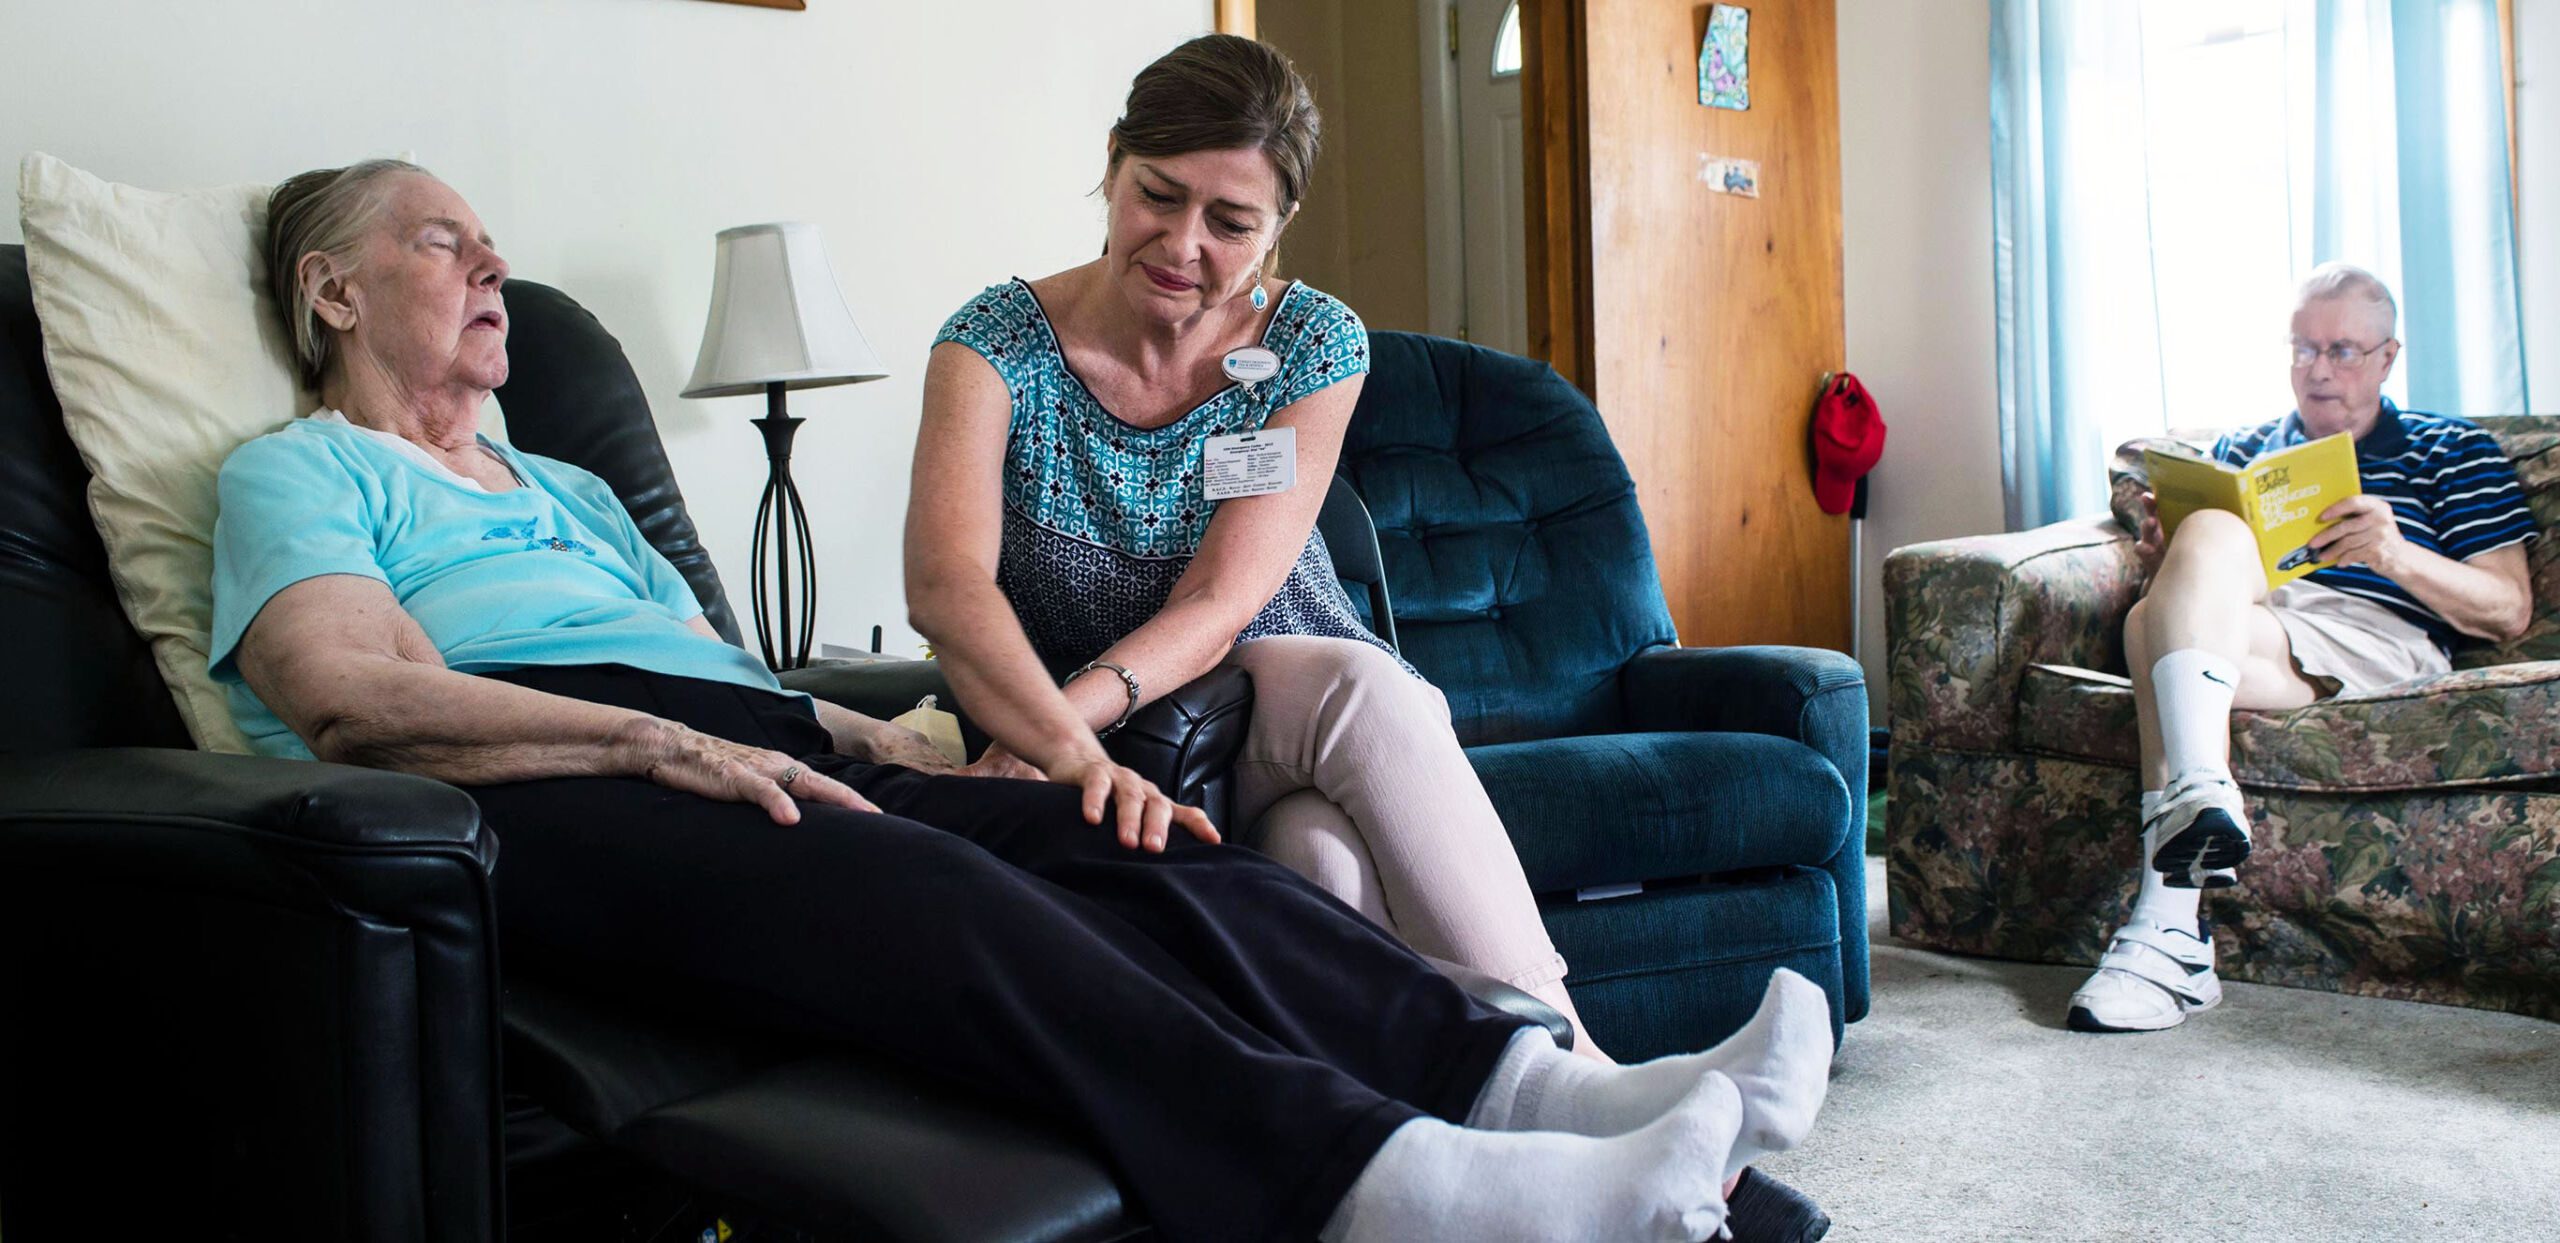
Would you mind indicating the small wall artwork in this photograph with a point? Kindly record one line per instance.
(1724, 60)
(1729, 175)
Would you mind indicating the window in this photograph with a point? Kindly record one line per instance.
(1506, 43)
(2222, 245)
(2165, 171)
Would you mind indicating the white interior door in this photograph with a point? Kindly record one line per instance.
(1489, 145)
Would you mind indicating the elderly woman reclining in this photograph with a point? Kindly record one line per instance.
(1254, 1059)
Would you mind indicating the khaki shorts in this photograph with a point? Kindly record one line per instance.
(2345, 644)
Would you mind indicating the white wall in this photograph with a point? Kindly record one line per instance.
(942, 148)
(1915, 188)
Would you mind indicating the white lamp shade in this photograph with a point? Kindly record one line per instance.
(777, 317)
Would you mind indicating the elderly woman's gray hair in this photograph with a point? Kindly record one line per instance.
(2345, 282)
(325, 210)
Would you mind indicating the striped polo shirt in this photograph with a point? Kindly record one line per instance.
(2449, 483)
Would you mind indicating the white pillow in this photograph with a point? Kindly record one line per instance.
(167, 352)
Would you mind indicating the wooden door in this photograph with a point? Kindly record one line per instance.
(1701, 323)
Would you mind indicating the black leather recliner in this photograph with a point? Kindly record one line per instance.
(247, 997)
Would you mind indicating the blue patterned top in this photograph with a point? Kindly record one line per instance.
(1101, 518)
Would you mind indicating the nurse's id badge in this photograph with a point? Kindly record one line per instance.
(1250, 365)
(1249, 464)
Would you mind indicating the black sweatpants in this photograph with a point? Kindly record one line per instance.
(1236, 1042)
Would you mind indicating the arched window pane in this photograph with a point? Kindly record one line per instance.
(1506, 43)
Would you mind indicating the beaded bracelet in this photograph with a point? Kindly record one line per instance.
(1128, 681)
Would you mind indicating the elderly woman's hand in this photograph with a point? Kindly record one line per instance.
(892, 743)
(995, 761)
(716, 768)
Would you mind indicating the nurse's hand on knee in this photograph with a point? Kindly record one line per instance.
(716, 768)
(1143, 817)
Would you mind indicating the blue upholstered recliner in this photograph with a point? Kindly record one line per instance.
(1729, 783)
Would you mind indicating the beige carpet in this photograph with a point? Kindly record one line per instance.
(1961, 1110)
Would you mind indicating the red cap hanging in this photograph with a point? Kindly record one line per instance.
(1848, 438)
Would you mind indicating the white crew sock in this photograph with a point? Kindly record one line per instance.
(1431, 1180)
(2157, 901)
(2191, 688)
(1780, 1060)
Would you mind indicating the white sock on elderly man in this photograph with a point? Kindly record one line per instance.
(2167, 905)
(2173, 908)
(2192, 688)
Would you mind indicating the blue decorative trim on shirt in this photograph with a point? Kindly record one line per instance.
(2452, 488)
(535, 540)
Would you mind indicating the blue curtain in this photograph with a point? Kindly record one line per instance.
(2070, 245)
(2396, 161)
(2400, 166)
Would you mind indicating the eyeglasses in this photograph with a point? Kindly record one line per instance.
(2345, 355)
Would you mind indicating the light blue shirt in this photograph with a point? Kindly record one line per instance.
(550, 573)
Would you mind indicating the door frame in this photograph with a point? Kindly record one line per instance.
(1443, 172)
(1556, 201)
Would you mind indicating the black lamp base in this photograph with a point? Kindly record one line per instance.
(782, 529)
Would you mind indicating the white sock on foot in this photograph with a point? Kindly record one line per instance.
(2156, 901)
(1783, 1088)
(1498, 1101)
(1431, 1180)
(2169, 907)
(1780, 1060)
(2192, 689)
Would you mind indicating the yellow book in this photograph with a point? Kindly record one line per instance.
(2281, 496)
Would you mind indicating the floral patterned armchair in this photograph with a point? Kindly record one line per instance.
(2408, 839)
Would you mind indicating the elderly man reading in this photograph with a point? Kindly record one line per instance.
(2431, 554)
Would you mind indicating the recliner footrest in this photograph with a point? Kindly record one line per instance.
(823, 1142)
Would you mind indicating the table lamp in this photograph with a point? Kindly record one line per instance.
(778, 322)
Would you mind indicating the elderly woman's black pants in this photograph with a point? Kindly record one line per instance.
(1237, 1043)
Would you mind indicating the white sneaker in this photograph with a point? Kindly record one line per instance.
(2200, 833)
(2150, 979)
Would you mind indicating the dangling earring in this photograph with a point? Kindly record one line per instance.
(1260, 299)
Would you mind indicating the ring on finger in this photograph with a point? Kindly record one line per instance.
(788, 776)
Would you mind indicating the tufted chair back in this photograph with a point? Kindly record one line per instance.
(1523, 577)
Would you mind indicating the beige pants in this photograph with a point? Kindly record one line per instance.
(1353, 778)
